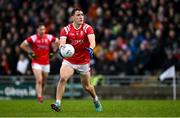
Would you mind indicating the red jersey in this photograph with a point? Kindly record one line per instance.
(41, 46)
(79, 40)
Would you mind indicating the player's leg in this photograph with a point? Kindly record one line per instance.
(66, 71)
(39, 80)
(45, 76)
(85, 80)
(45, 73)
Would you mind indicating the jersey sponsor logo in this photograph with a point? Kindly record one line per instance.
(43, 47)
(45, 41)
(72, 34)
(75, 42)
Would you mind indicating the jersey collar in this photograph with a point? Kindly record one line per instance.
(40, 35)
(78, 27)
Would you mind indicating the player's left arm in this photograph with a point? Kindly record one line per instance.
(53, 46)
(91, 36)
(54, 42)
(92, 41)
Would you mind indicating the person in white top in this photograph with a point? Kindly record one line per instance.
(22, 64)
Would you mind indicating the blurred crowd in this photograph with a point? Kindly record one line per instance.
(134, 37)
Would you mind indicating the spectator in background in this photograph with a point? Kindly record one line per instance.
(5, 66)
(11, 59)
(143, 58)
(22, 65)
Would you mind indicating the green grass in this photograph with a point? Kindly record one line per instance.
(85, 108)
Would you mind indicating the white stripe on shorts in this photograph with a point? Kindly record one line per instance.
(81, 68)
(44, 68)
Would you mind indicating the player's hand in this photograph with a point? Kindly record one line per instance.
(59, 51)
(90, 51)
(51, 55)
(32, 55)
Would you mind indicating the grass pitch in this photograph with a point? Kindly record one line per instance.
(85, 108)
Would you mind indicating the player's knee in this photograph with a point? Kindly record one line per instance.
(39, 82)
(63, 80)
(87, 88)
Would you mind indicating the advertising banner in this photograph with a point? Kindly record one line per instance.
(16, 91)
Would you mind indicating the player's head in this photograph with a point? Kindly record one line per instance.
(41, 29)
(77, 16)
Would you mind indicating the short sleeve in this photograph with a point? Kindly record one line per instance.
(29, 40)
(63, 33)
(51, 38)
(90, 30)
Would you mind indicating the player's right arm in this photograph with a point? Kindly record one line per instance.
(62, 41)
(63, 36)
(26, 47)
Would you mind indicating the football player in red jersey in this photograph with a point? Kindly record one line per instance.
(38, 48)
(81, 36)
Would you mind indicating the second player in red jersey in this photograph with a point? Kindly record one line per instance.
(38, 48)
(41, 47)
(78, 38)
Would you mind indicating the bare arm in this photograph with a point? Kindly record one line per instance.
(62, 41)
(92, 41)
(25, 46)
(56, 42)
(55, 45)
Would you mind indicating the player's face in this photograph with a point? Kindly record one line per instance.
(41, 30)
(78, 17)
